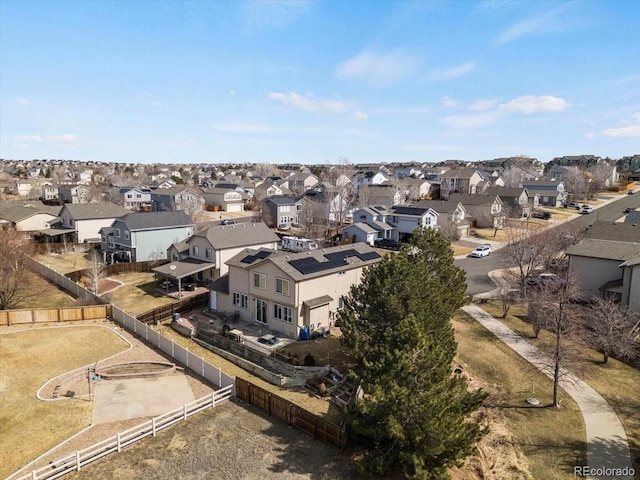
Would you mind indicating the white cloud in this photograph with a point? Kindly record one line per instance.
(22, 101)
(532, 104)
(547, 22)
(632, 129)
(470, 120)
(232, 92)
(307, 102)
(481, 105)
(378, 69)
(64, 138)
(450, 102)
(452, 72)
(358, 116)
(261, 14)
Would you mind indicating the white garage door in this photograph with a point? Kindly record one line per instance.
(234, 207)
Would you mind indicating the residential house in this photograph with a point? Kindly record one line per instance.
(366, 178)
(203, 255)
(85, 220)
(300, 182)
(398, 222)
(280, 210)
(137, 199)
(271, 189)
(460, 180)
(28, 218)
(449, 212)
(177, 198)
(50, 193)
(419, 188)
(485, 211)
(515, 200)
(384, 194)
(324, 203)
(138, 237)
(74, 193)
(607, 263)
(228, 199)
(286, 292)
(546, 193)
(360, 232)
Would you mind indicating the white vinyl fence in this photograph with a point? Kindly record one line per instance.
(150, 428)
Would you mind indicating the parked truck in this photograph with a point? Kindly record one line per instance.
(295, 244)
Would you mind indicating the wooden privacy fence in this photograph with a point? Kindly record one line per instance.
(150, 428)
(184, 305)
(48, 315)
(271, 403)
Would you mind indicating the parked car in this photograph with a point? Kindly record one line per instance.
(540, 214)
(228, 221)
(631, 192)
(386, 243)
(482, 251)
(629, 210)
(586, 209)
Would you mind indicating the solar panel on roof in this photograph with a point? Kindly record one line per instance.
(258, 256)
(334, 260)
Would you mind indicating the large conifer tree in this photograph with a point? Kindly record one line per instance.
(413, 413)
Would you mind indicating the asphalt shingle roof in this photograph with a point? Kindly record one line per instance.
(605, 249)
(623, 232)
(239, 235)
(156, 220)
(87, 211)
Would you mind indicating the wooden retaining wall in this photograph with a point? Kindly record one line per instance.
(271, 403)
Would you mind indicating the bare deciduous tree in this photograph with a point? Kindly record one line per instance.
(96, 271)
(611, 329)
(13, 268)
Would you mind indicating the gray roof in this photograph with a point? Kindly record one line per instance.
(326, 261)
(624, 232)
(439, 206)
(282, 200)
(471, 199)
(543, 193)
(87, 211)
(15, 213)
(156, 220)
(459, 173)
(362, 227)
(605, 249)
(239, 235)
(183, 268)
(171, 192)
(505, 191)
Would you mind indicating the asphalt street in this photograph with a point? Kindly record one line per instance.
(477, 268)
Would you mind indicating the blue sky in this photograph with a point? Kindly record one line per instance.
(316, 82)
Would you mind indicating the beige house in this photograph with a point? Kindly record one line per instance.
(29, 218)
(204, 255)
(286, 292)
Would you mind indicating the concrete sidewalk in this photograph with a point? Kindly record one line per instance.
(607, 444)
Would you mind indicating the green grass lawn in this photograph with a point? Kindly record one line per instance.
(29, 427)
(553, 440)
(617, 382)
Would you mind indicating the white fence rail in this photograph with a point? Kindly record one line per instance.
(150, 428)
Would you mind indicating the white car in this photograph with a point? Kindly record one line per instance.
(586, 209)
(482, 251)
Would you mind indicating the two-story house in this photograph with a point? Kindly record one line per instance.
(137, 237)
(204, 254)
(178, 198)
(396, 223)
(288, 291)
(460, 180)
(85, 220)
(281, 211)
(74, 193)
(515, 200)
(545, 193)
(485, 211)
(449, 212)
(26, 218)
(228, 199)
(137, 199)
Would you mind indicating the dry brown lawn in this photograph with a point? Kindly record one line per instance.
(553, 441)
(30, 357)
(66, 262)
(325, 350)
(617, 382)
(138, 293)
(43, 294)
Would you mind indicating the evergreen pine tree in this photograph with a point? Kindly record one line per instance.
(414, 413)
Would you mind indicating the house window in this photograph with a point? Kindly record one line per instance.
(285, 208)
(341, 303)
(283, 313)
(195, 251)
(129, 195)
(282, 286)
(110, 242)
(103, 238)
(260, 281)
(298, 207)
(208, 253)
(240, 300)
(138, 196)
(117, 232)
